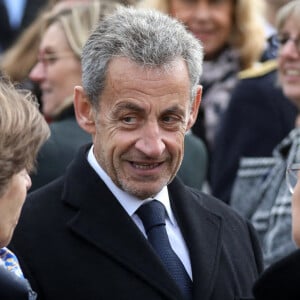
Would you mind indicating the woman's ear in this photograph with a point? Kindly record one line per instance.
(83, 110)
(195, 108)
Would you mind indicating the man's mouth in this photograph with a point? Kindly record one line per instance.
(145, 166)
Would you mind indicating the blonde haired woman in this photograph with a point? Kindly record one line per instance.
(23, 130)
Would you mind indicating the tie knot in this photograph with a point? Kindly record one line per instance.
(152, 214)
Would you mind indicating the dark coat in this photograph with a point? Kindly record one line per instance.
(257, 119)
(281, 280)
(75, 241)
(193, 170)
(59, 150)
(8, 35)
(13, 287)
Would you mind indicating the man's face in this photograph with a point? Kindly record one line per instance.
(140, 125)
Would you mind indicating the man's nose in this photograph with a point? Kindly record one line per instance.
(151, 141)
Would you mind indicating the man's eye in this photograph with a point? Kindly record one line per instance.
(129, 120)
(170, 119)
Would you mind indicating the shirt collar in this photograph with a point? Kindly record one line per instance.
(129, 202)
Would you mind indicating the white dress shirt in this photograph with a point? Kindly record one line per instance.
(131, 204)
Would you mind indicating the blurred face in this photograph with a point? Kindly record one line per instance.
(210, 21)
(140, 126)
(57, 71)
(11, 203)
(289, 59)
(277, 3)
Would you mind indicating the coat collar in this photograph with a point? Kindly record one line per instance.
(100, 217)
(202, 231)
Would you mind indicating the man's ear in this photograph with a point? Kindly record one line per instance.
(195, 108)
(83, 110)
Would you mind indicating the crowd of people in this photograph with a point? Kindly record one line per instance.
(153, 139)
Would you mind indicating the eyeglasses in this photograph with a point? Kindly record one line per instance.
(50, 58)
(292, 176)
(283, 39)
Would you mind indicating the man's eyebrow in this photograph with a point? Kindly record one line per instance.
(174, 109)
(127, 106)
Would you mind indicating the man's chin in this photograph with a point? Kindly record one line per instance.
(143, 191)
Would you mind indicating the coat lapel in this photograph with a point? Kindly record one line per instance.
(102, 221)
(202, 231)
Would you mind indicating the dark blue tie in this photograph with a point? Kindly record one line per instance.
(153, 216)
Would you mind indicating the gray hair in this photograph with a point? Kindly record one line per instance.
(148, 38)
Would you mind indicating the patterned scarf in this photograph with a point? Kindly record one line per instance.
(218, 79)
(10, 261)
(274, 218)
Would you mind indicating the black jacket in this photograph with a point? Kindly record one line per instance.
(59, 150)
(13, 287)
(75, 241)
(281, 280)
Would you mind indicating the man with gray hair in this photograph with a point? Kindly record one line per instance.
(119, 224)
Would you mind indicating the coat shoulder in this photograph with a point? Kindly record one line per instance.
(237, 233)
(215, 205)
(259, 70)
(280, 280)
